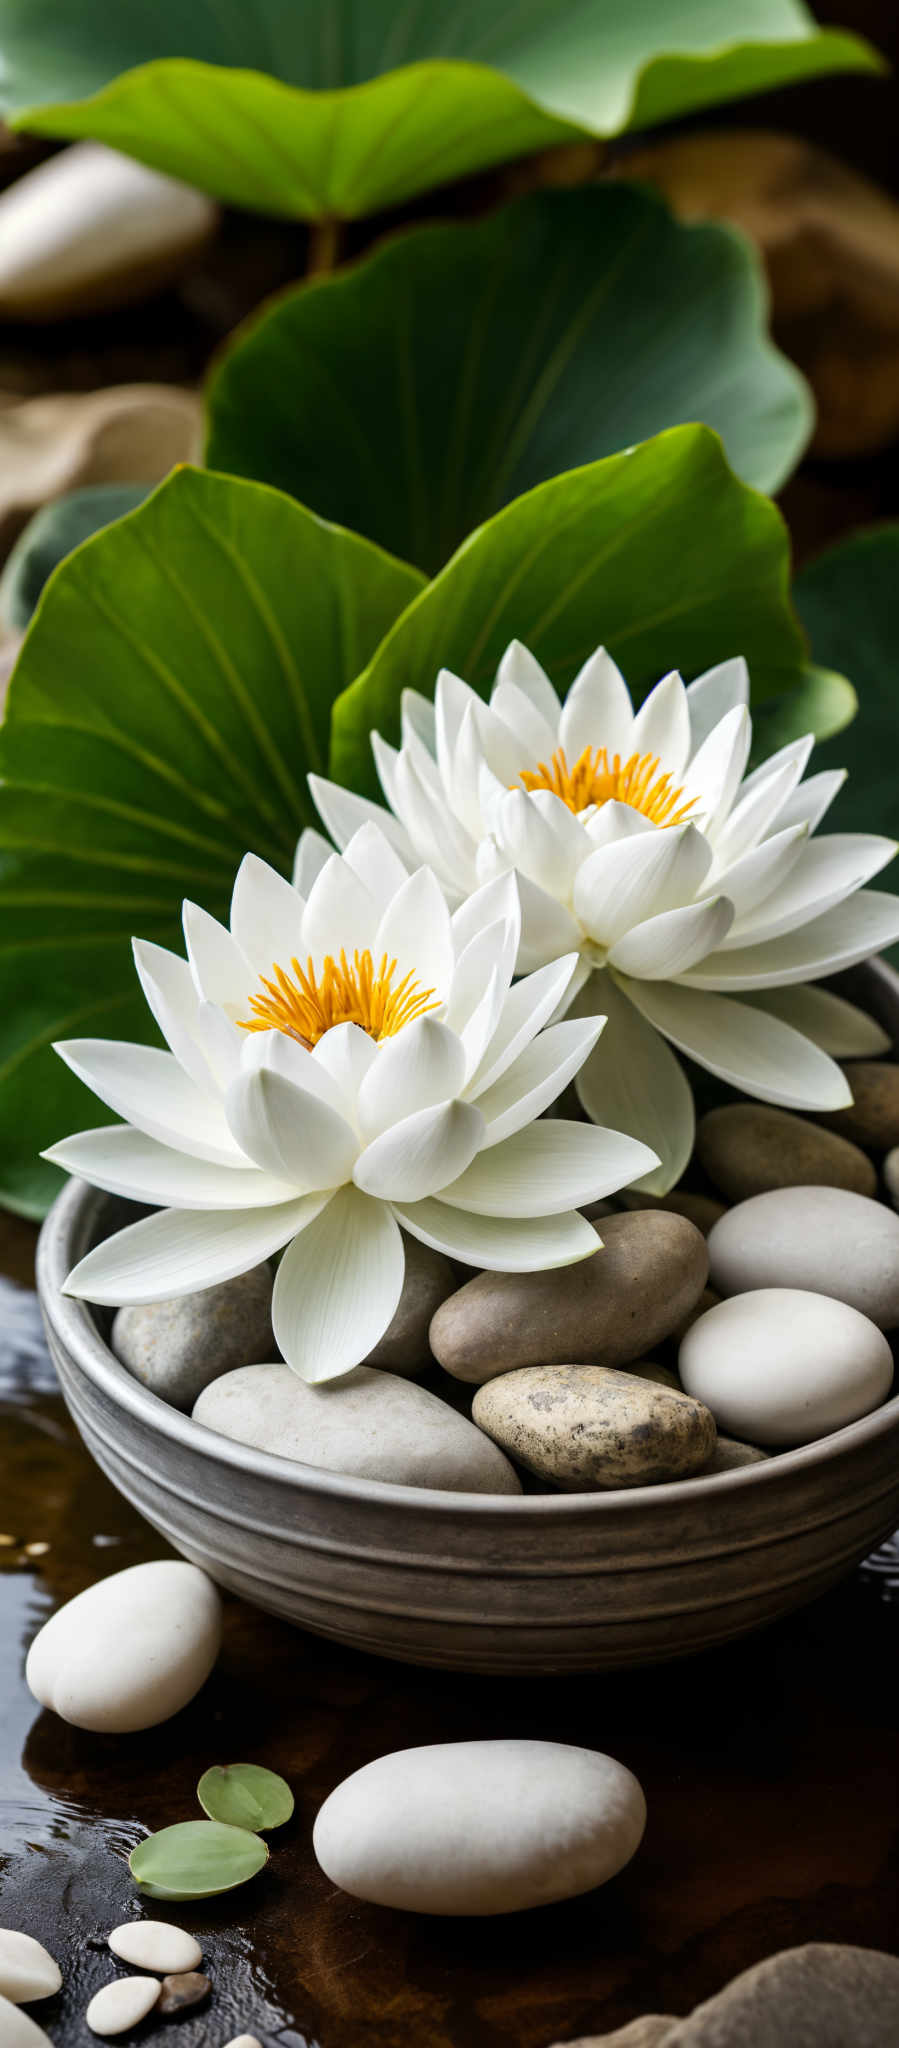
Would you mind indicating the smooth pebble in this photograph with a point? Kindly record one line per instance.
(122, 2005)
(18, 2029)
(155, 1945)
(822, 1240)
(177, 1347)
(480, 1827)
(747, 1148)
(27, 1971)
(603, 1311)
(782, 1366)
(730, 1456)
(244, 2041)
(184, 1989)
(131, 1650)
(370, 1425)
(891, 1175)
(703, 1210)
(585, 1427)
(92, 225)
(872, 1117)
(428, 1279)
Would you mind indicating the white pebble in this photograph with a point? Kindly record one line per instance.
(89, 223)
(131, 1650)
(122, 2004)
(18, 2030)
(783, 1366)
(26, 1969)
(155, 1945)
(244, 2041)
(480, 1827)
(818, 1239)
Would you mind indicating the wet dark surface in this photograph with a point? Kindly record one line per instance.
(770, 1770)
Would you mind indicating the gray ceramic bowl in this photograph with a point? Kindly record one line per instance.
(543, 1583)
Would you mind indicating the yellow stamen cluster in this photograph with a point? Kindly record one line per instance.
(595, 779)
(347, 993)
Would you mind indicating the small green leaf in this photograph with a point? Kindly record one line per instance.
(245, 1795)
(195, 1859)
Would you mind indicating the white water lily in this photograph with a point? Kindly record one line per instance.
(698, 900)
(346, 1059)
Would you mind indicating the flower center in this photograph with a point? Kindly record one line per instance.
(306, 1006)
(595, 779)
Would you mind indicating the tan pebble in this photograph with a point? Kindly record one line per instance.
(872, 1118)
(747, 1148)
(122, 2005)
(36, 1549)
(605, 1311)
(8, 1542)
(708, 1299)
(187, 1987)
(428, 1279)
(587, 1428)
(703, 1210)
(155, 1945)
(661, 1375)
(729, 1455)
(27, 1971)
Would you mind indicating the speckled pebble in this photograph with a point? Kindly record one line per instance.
(122, 2005)
(605, 1310)
(872, 1117)
(586, 1428)
(27, 1970)
(747, 1148)
(820, 1240)
(176, 1348)
(155, 1945)
(781, 1366)
(429, 1279)
(186, 1988)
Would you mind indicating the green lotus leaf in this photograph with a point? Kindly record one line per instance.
(848, 601)
(323, 107)
(51, 535)
(173, 690)
(195, 1859)
(412, 395)
(659, 553)
(245, 1796)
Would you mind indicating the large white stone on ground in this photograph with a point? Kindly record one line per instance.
(782, 1366)
(131, 1650)
(480, 1827)
(26, 1969)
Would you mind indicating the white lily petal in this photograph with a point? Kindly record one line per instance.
(439, 837)
(221, 971)
(414, 750)
(548, 930)
(614, 820)
(521, 668)
(171, 994)
(477, 1034)
(152, 1090)
(598, 711)
(340, 915)
(853, 931)
(452, 700)
(495, 902)
(632, 1082)
(489, 956)
(127, 1162)
(415, 931)
(536, 734)
(289, 1131)
(529, 1005)
(841, 1029)
(469, 773)
(222, 1044)
(671, 944)
(753, 1052)
(345, 1054)
(621, 885)
(503, 748)
(417, 715)
(266, 915)
(284, 1055)
(379, 868)
(713, 694)
(662, 725)
(755, 814)
(182, 1251)
(537, 1077)
(795, 755)
(826, 872)
(755, 876)
(810, 799)
(343, 813)
(311, 854)
(500, 1244)
(416, 1157)
(422, 1065)
(337, 1287)
(549, 1167)
(536, 844)
(716, 771)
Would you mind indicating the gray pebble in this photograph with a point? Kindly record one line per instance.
(176, 1348)
(404, 1347)
(872, 1117)
(819, 1240)
(747, 1148)
(729, 1456)
(703, 1210)
(587, 1428)
(606, 1310)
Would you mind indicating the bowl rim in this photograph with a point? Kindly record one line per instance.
(73, 1326)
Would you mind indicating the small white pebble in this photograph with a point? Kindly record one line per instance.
(122, 2005)
(156, 1945)
(18, 2029)
(26, 1969)
(244, 2041)
(36, 1549)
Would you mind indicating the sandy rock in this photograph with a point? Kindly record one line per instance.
(155, 1945)
(872, 1118)
(175, 1348)
(122, 2005)
(370, 1425)
(131, 1650)
(823, 1995)
(429, 1278)
(747, 1148)
(821, 1240)
(605, 1311)
(27, 1971)
(59, 442)
(480, 1827)
(585, 1428)
(779, 1366)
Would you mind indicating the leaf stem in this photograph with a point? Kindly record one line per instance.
(325, 238)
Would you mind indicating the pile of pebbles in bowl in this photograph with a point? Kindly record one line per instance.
(742, 1314)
